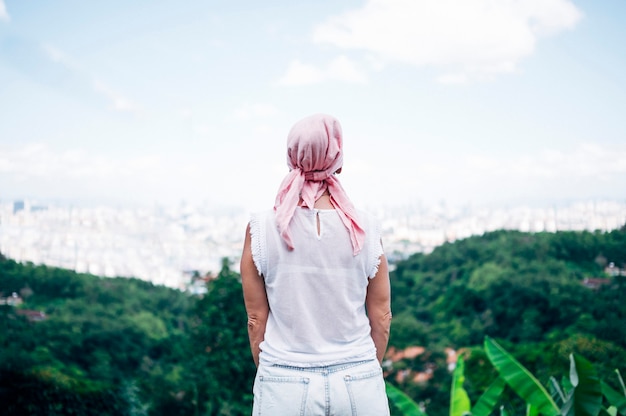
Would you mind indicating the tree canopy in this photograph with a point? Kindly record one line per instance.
(82, 344)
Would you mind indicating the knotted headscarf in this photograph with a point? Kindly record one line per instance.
(314, 154)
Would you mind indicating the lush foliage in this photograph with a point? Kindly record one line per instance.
(582, 394)
(127, 347)
(527, 291)
(122, 346)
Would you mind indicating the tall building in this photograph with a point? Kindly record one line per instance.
(18, 206)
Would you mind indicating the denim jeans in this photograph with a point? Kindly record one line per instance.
(351, 389)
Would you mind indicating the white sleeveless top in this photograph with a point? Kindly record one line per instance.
(316, 292)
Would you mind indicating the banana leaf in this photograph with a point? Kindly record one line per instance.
(459, 400)
(520, 379)
(614, 398)
(402, 402)
(531, 410)
(488, 400)
(556, 392)
(621, 381)
(585, 399)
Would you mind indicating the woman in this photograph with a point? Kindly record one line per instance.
(316, 289)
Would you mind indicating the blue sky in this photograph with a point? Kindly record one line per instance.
(464, 101)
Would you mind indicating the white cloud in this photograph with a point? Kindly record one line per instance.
(4, 14)
(343, 69)
(118, 102)
(339, 69)
(252, 111)
(582, 171)
(56, 55)
(453, 78)
(299, 73)
(584, 161)
(39, 161)
(465, 39)
(41, 171)
(185, 113)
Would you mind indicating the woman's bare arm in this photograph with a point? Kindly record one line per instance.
(378, 304)
(255, 298)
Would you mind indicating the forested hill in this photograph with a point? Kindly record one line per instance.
(81, 344)
(543, 295)
(85, 345)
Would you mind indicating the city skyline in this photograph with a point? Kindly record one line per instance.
(170, 245)
(469, 102)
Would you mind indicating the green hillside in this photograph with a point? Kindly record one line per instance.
(120, 346)
(543, 296)
(85, 345)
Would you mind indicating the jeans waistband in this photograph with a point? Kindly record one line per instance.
(324, 369)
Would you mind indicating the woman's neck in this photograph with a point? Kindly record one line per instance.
(323, 202)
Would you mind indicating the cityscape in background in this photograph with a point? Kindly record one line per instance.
(175, 246)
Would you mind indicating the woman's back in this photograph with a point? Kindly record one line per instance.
(316, 292)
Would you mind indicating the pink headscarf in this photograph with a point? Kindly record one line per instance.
(314, 154)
